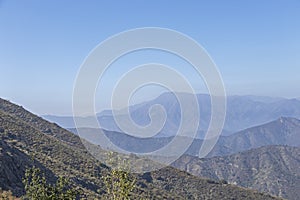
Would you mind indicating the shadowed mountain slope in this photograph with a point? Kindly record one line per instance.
(272, 169)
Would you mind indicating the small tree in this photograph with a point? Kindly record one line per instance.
(37, 188)
(119, 184)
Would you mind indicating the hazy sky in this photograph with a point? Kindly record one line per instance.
(255, 44)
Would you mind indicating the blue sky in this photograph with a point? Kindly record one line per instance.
(255, 44)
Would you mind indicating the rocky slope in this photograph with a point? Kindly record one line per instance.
(272, 169)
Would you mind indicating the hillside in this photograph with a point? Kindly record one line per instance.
(283, 131)
(59, 152)
(272, 169)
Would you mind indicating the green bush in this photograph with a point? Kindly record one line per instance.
(119, 184)
(37, 188)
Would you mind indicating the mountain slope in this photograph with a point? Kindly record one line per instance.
(283, 131)
(38, 123)
(54, 154)
(13, 163)
(273, 169)
(59, 152)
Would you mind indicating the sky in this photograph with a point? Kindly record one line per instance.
(255, 44)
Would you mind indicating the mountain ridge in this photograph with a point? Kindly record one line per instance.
(283, 131)
(242, 112)
(272, 169)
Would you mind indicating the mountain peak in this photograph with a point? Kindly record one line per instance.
(284, 120)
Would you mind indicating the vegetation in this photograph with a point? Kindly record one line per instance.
(6, 195)
(37, 188)
(119, 184)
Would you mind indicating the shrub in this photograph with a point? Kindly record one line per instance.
(119, 184)
(37, 188)
(4, 195)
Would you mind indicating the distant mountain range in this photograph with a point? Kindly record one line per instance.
(283, 131)
(59, 152)
(272, 169)
(242, 112)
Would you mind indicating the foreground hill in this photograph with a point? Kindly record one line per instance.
(59, 152)
(272, 169)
